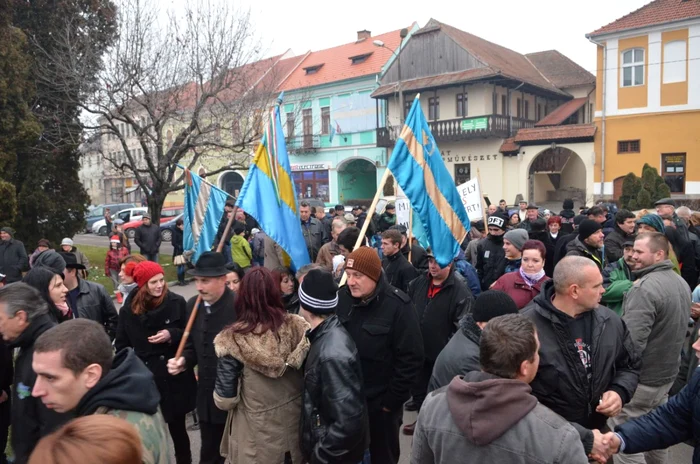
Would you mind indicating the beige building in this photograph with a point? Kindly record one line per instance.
(520, 122)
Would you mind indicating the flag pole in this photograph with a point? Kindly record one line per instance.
(370, 212)
(483, 202)
(410, 233)
(193, 316)
(209, 183)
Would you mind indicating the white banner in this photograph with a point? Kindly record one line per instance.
(403, 211)
(471, 199)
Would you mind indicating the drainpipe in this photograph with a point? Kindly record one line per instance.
(510, 109)
(602, 144)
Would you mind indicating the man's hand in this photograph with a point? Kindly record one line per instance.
(600, 451)
(612, 441)
(176, 365)
(163, 336)
(610, 405)
(695, 310)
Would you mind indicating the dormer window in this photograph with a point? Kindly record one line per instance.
(357, 59)
(313, 69)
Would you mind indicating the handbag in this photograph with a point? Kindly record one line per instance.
(179, 260)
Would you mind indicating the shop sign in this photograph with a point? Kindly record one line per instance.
(310, 167)
(448, 157)
(475, 124)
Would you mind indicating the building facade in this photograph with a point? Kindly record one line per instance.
(648, 97)
(522, 123)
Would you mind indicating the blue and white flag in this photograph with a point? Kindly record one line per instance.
(204, 207)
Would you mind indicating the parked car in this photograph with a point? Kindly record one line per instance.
(127, 215)
(97, 213)
(166, 228)
(165, 216)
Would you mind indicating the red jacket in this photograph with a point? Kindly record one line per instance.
(513, 284)
(113, 257)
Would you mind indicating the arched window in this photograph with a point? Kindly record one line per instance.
(633, 67)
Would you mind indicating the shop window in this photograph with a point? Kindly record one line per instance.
(312, 184)
(673, 167)
(462, 173)
(628, 146)
(633, 67)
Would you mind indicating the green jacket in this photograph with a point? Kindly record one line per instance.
(151, 429)
(617, 280)
(241, 252)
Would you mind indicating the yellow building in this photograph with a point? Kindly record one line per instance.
(648, 97)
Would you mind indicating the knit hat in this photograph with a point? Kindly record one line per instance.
(114, 239)
(129, 268)
(568, 204)
(366, 261)
(145, 271)
(318, 292)
(493, 303)
(655, 221)
(517, 237)
(8, 230)
(67, 241)
(499, 221)
(587, 228)
(51, 260)
(578, 219)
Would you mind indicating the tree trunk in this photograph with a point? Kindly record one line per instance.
(155, 205)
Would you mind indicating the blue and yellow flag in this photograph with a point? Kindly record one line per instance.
(268, 193)
(204, 206)
(418, 168)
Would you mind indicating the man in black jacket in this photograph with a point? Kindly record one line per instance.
(396, 267)
(383, 323)
(313, 231)
(226, 250)
(490, 260)
(23, 318)
(461, 354)
(88, 300)
(589, 367)
(13, 256)
(625, 222)
(589, 243)
(147, 238)
(334, 421)
(215, 312)
(416, 253)
(441, 298)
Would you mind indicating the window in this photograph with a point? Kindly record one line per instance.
(673, 167)
(325, 120)
(628, 146)
(504, 105)
(675, 59)
(539, 112)
(526, 111)
(434, 108)
(494, 104)
(462, 105)
(290, 124)
(312, 184)
(518, 112)
(633, 67)
(307, 123)
(408, 102)
(462, 173)
(357, 59)
(313, 69)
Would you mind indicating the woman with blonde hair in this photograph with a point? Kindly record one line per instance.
(95, 439)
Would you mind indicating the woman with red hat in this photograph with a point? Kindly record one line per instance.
(152, 322)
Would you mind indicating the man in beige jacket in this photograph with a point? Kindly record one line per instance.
(331, 249)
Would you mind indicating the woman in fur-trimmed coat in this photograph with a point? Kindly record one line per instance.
(259, 377)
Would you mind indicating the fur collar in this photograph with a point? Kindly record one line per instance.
(271, 352)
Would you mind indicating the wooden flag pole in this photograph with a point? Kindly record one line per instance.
(483, 202)
(193, 316)
(370, 212)
(410, 232)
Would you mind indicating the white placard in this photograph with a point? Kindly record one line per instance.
(471, 199)
(403, 211)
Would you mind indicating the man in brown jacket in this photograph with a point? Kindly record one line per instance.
(331, 249)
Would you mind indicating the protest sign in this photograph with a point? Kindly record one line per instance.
(471, 199)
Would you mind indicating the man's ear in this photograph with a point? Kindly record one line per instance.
(93, 374)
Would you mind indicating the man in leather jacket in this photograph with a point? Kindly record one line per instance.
(334, 420)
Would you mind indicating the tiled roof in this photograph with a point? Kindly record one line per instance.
(337, 65)
(509, 146)
(562, 112)
(434, 81)
(554, 133)
(560, 70)
(656, 12)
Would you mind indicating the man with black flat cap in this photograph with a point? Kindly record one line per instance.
(666, 208)
(215, 312)
(86, 299)
(531, 212)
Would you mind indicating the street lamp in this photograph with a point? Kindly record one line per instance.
(379, 43)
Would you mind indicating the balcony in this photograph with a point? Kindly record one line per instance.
(454, 130)
(303, 143)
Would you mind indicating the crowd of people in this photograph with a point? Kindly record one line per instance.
(548, 338)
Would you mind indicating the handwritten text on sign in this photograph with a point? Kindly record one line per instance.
(471, 199)
(403, 211)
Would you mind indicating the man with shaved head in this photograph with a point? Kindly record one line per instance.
(589, 367)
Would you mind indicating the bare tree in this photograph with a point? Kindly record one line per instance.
(170, 93)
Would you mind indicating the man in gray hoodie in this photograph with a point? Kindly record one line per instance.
(491, 416)
(656, 311)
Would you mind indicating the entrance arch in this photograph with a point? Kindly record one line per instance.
(556, 174)
(357, 180)
(231, 183)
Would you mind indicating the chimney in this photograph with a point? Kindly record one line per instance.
(364, 34)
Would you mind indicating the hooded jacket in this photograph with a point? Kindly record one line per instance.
(460, 356)
(241, 252)
(561, 382)
(127, 391)
(492, 420)
(577, 248)
(656, 311)
(617, 280)
(491, 260)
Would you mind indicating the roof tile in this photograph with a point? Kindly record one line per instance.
(553, 133)
(562, 112)
(560, 70)
(656, 12)
(509, 146)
